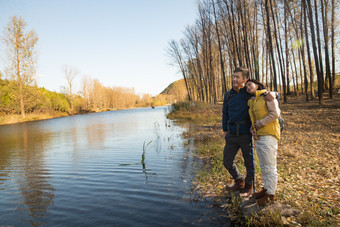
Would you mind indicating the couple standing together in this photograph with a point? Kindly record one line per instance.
(250, 111)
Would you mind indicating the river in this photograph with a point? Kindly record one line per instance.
(86, 170)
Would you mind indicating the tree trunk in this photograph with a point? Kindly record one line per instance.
(21, 93)
(316, 58)
(333, 40)
(324, 10)
(236, 38)
(296, 75)
(286, 44)
(21, 97)
(271, 45)
(302, 50)
(224, 86)
(263, 57)
(319, 45)
(232, 39)
(311, 72)
(279, 55)
(300, 68)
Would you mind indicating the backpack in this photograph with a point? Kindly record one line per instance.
(281, 123)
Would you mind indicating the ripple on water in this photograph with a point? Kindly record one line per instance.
(86, 171)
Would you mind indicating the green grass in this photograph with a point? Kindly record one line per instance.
(144, 152)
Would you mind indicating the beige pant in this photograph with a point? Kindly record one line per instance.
(266, 148)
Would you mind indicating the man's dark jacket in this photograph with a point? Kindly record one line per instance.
(235, 112)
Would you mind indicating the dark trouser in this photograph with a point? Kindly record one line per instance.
(233, 144)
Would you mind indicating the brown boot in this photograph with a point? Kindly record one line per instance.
(247, 190)
(266, 200)
(260, 194)
(239, 185)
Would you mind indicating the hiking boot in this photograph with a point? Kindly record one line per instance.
(260, 194)
(247, 190)
(266, 200)
(239, 185)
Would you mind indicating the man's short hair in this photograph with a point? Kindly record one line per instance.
(244, 71)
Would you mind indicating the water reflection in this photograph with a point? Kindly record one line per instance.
(96, 134)
(37, 194)
(25, 151)
(87, 171)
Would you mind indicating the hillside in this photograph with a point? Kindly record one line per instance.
(175, 92)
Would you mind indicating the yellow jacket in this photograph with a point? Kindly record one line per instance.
(266, 114)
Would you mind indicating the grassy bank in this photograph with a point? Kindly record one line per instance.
(16, 118)
(6, 119)
(308, 161)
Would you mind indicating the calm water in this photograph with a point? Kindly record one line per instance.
(86, 170)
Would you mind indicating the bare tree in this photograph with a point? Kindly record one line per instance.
(317, 31)
(226, 35)
(270, 43)
(281, 60)
(316, 58)
(324, 13)
(332, 38)
(22, 60)
(85, 90)
(175, 53)
(224, 85)
(70, 74)
(311, 75)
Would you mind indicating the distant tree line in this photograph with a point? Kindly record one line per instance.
(19, 93)
(98, 96)
(285, 44)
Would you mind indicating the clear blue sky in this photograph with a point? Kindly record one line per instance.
(120, 42)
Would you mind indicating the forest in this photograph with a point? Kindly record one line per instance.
(291, 46)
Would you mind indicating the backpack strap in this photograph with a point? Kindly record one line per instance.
(226, 107)
(229, 95)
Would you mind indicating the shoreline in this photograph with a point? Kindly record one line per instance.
(307, 162)
(11, 119)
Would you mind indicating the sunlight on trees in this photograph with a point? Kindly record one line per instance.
(70, 74)
(285, 44)
(21, 55)
(20, 94)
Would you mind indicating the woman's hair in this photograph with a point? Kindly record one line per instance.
(258, 83)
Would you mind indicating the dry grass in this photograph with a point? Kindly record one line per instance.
(16, 118)
(308, 158)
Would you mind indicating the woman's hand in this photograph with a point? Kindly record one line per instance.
(253, 133)
(258, 124)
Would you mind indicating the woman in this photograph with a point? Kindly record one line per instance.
(264, 117)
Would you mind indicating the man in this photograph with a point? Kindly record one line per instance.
(236, 127)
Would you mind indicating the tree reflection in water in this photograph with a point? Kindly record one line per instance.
(36, 191)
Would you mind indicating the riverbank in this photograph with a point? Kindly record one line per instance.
(6, 119)
(308, 161)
